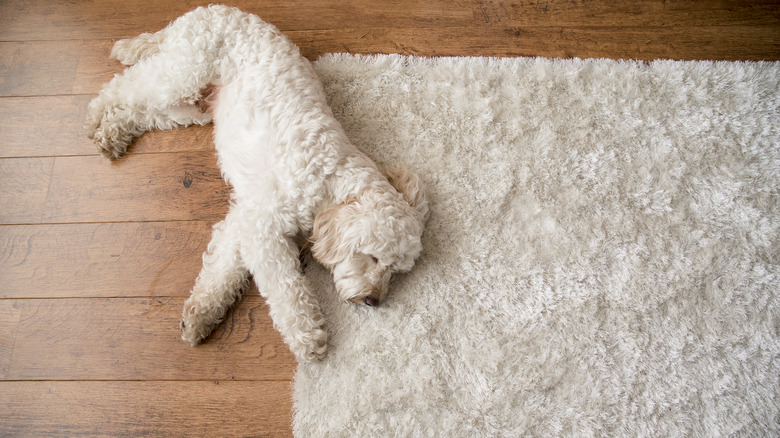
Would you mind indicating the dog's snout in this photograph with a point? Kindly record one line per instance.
(371, 301)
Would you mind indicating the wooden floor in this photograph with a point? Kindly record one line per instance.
(96, 257)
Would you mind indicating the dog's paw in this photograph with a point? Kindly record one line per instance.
(194, 325)
(311, 346)
(112, 144)
(104, 127)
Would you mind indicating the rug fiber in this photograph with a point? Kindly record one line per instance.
(602, 256)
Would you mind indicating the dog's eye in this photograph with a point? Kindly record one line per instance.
(374, 259)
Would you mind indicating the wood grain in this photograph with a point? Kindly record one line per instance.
(742, 43)
(113, 18)
(145, 187)
(44, 126)
(20, 67)
(139, 339)
(53, 126)
(24, 183)
(41, 68)
(93, 68)
(151, 187)
(102, 259)
(10, 313)
(639, 13)
(163, 409)
(45, 20)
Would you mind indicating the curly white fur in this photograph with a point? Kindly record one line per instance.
(293, 170)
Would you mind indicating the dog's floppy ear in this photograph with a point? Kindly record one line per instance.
(328, 238)
(410, 186)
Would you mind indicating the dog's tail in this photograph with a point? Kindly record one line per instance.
(131, 50)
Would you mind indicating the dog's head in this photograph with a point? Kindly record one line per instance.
(369, 237)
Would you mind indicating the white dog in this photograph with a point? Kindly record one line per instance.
(293, 170)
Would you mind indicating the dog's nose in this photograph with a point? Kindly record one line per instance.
(371, 301)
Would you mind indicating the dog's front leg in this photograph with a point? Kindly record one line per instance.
(274, 264)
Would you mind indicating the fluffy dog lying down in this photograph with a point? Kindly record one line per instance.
(293, 170)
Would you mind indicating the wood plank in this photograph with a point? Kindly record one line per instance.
(193, 138)
(95, 19)
(139, 339)
(139, 187)
(117, 19)
(101, 260)
(39, 67)
(637, 13)
(701, 43)
(644, 43)
(44, 126)
(169, 409)
(85, 19)
(53, 125)
(32, 77)
(24, 183)
(10, 313)
(95, 68)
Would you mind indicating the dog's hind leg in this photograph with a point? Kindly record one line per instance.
(220, 283)
(159, 92)
(274, 264)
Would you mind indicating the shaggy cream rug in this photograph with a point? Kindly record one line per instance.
(602, 256)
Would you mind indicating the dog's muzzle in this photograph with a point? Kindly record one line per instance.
(368, 300)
